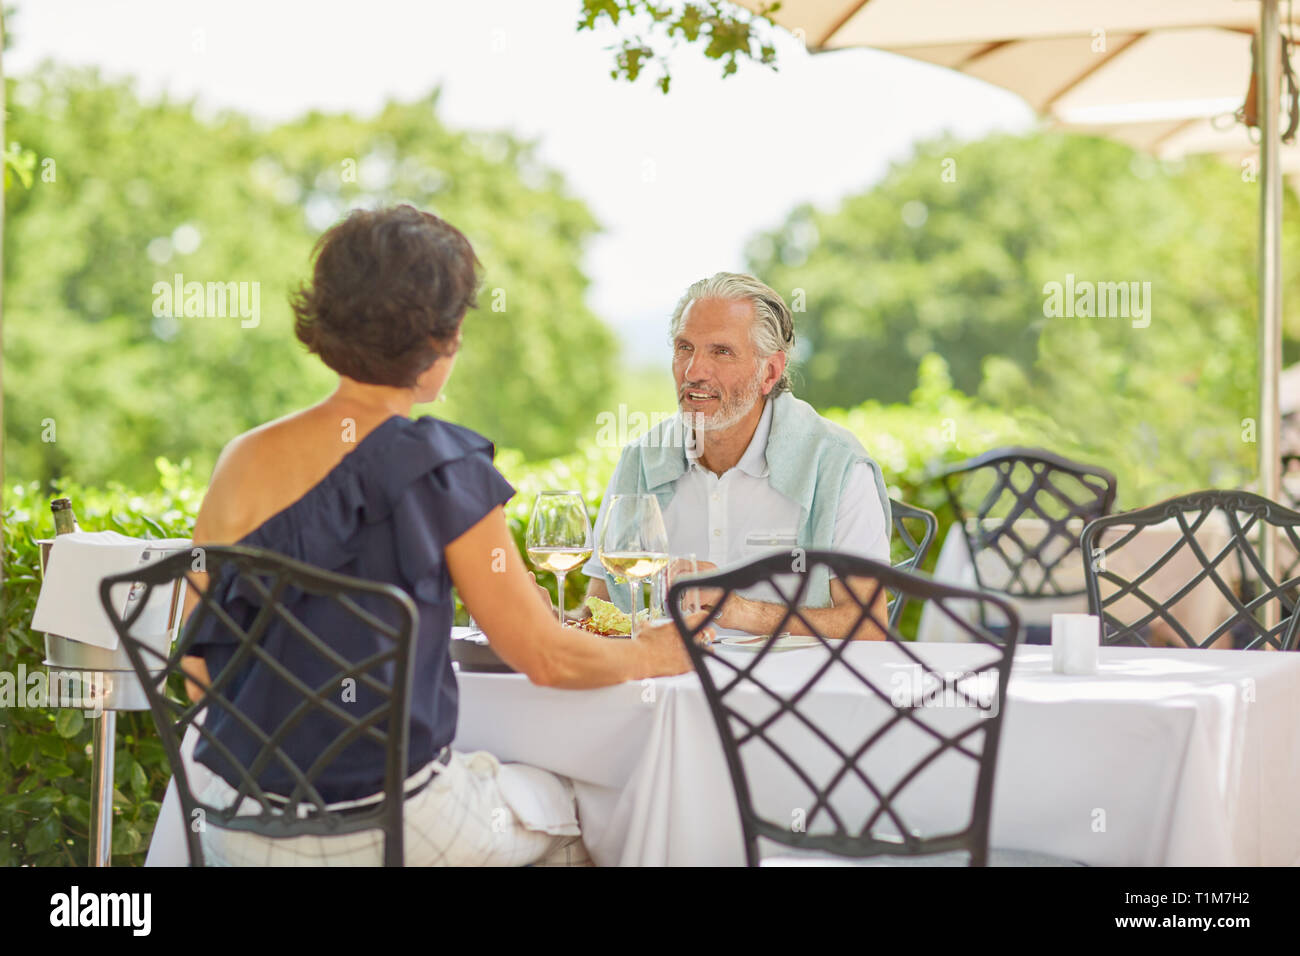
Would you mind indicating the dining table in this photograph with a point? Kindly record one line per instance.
(1164, 757)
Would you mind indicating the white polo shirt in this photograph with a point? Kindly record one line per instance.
(734, 518)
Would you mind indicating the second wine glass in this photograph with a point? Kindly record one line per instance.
(559, 536)
(634, 542)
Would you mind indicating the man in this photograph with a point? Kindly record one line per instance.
(746, 469)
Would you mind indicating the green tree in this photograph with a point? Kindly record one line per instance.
(952, 253)
(126, 194)
(724, 31)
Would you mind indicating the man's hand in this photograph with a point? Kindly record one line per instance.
(696, 598)
(836, 622)
(738, 613)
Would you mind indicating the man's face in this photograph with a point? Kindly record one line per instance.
(718, 372)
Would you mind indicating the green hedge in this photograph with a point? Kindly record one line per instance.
(44, 754)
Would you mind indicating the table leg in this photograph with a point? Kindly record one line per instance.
(101, 796)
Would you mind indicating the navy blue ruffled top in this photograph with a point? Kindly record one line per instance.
(386, 512)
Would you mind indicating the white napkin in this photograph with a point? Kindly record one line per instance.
(541, 800)
(69, 605)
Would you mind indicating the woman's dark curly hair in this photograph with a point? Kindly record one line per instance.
(387, 295)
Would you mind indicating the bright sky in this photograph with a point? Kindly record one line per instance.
(680, 182)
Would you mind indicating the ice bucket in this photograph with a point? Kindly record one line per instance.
(109, 672)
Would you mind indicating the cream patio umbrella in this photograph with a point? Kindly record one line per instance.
(1159, 74)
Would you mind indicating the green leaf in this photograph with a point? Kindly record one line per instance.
(78, 809)
(44, 835)
(126, 839)
(52, 745)
(139, 781)
(150, 752)
(69, 722)
(21, 748)
(56, 770)
(124, 768)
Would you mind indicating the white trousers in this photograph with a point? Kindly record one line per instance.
(475, 812)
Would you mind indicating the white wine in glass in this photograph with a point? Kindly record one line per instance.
(634, 565)
(559, 536)
(634, 542)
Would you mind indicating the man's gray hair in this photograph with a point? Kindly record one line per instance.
(773, 328)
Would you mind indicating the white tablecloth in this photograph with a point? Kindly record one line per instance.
(1167, 757)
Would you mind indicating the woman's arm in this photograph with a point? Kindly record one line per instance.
(208, 529)
(527, 637)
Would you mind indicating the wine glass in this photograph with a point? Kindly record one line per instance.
(559, 535)
(634, 542)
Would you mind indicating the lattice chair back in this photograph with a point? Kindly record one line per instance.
(339, 724)
(914, 530)
(855, 748)
(1187, 572)
(1021, 511)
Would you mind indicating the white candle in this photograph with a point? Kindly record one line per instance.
(1075, 638)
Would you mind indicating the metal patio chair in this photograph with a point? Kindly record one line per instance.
(815, 775)
(377, 716)
(1227, 560)
(997, 497)
(914, 530)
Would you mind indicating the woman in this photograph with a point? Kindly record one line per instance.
(352, 484)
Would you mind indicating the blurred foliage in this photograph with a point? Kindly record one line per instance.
(126, 193)
(19, 165)
(724, 31)
(949, 254)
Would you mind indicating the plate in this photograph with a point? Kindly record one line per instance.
(474, 654)
(578, 625)
(785, 642)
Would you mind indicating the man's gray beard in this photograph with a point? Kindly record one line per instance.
(726, 417)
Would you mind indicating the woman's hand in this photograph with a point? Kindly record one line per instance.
(543, 593)
(664, 648)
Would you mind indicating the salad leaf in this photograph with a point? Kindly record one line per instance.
(608, 617)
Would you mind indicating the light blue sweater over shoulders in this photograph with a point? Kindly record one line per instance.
(809, 460)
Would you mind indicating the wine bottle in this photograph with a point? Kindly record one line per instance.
(65, 520)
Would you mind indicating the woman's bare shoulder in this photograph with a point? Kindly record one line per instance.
(259, 447)
(255, 471)
(267, 468)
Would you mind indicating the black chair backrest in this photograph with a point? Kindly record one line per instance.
(381, 681)
(914, 530)
(992, 492)
(1211, 540)
(839, 736)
